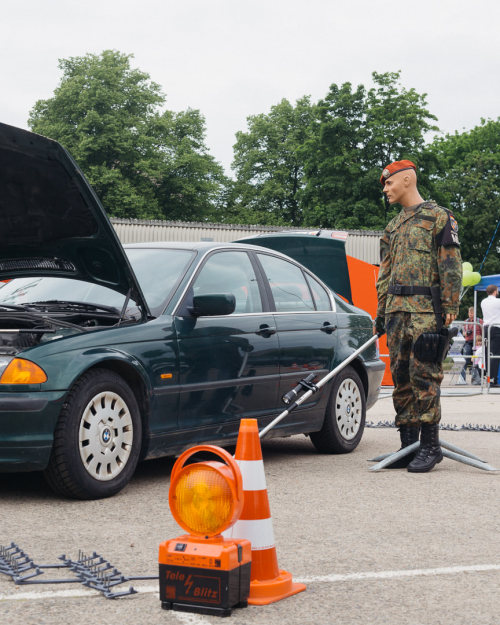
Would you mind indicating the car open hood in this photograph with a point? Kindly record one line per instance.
(51, 221)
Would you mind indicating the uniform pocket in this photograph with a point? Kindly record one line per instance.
(420, 236)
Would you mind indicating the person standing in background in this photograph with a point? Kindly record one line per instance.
(469, 330)
(491, 315)
(478, 362)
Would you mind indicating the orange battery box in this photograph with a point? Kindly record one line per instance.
(204, 575)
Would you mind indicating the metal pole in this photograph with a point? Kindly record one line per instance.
(460, 451)
(389, 459)
(467, 460)
(488, 359)
(319, 384)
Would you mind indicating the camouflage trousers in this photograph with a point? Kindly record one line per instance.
(416, 395)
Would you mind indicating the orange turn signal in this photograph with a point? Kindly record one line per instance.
(20, 371)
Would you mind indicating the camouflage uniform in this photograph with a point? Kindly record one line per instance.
(419, 247)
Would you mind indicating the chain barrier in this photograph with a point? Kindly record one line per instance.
(470, 427)
(93, 571)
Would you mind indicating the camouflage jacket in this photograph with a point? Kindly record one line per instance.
(420, 247)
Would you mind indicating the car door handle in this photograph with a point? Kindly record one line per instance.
(328, 327)
(266, 330)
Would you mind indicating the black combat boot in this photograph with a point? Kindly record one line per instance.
(429, 452)
(408, 434)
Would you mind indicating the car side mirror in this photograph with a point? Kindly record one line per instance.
(213, 304)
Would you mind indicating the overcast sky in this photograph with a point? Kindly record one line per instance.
(234, 58)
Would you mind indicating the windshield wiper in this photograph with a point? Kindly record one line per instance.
(55, 304)
(37, 316)
(12, 307)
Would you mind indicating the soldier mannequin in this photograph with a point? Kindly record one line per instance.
(418, 250)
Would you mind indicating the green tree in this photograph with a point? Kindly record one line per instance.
(467, 180)
(142, 162)
(269, 170)
(360, 131)
(189, 184)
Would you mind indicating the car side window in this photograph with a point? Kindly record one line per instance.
(230, 272)
(289, 288)
(320, 294)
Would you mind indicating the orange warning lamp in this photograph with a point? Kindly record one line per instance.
(206, 497)
(202, 571)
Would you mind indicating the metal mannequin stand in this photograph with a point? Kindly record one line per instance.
(449, 451)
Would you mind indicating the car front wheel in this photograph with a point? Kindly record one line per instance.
(97, 440)
(345, 415)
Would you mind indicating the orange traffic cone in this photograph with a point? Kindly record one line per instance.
(267, 582)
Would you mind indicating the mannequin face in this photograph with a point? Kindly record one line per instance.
(396, 187)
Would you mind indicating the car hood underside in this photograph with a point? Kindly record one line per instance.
(51, 221)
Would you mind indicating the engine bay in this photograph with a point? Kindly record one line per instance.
(21, 331)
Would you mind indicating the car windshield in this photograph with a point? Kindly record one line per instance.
(157, 270)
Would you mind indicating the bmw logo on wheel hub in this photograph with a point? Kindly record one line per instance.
(106, 435)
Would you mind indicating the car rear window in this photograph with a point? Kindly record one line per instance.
(289, 288)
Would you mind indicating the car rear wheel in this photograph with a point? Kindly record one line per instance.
(345, 415)
(97, 438)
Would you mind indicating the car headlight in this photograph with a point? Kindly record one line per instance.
(20, 371)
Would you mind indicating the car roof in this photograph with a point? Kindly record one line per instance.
(205, 246)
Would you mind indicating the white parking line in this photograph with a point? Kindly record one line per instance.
(446, 570)
(50, 594)
(333, 578)
(191, 619)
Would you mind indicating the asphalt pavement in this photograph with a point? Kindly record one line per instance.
(373, 548)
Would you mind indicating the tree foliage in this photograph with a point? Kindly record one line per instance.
(142, 162)
(269, 169)
(467, 180)
(303, 164)
(360, 131)
(319, 164)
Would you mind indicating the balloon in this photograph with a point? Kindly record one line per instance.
(467, 278)
(475, 278)
(466, 267)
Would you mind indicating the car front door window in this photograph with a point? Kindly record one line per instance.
(230, 272)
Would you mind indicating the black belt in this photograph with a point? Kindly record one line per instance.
(402, 289)
(432, 291)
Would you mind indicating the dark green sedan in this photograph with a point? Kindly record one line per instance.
(109, 355)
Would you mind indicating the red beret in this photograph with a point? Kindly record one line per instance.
(393, 168)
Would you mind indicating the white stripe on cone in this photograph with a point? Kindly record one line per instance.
(258, 532)
(252, 472)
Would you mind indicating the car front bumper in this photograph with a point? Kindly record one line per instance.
(27, 423)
